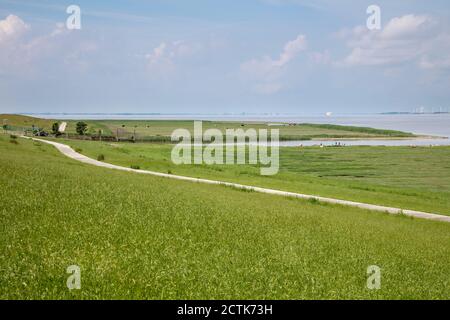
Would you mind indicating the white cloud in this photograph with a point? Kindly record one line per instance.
(164, 55)
(26, 55)
(406, 39)
(11, 43)
(44, 44)
(291, 49)
(265, 72)
(157, 54)
(408, 26)
(266, 64)
(11, 28)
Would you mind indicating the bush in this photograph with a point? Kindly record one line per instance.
(55, 129)
(135, 166)
(101, 157)
(81, 128)
(169, 171)
(13, 136)
(14, 141)
(79, 150)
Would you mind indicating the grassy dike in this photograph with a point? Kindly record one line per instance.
(404, 177)
(137, 236)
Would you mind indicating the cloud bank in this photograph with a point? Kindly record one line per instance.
(416, 39)
(265, 73)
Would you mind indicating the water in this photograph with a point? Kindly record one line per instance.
(381, 142)
(421, 124)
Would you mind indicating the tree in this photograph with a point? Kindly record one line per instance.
(81, 128)
(55, 129)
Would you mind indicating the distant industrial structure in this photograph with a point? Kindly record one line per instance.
(424, 110)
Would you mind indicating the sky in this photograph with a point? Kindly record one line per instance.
(216, 57)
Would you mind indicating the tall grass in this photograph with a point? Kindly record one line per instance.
(142, 237)
(404, 177)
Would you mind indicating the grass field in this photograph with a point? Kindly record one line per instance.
(162, 129)
(404, 177)
(137, 236)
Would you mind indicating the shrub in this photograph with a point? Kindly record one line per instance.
(13, 136)
(79, 150)
(101, 157)
(135, 166)
(14, 141)
(55, 129)
(81, 128)
(169, 171)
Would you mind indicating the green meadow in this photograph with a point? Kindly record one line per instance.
(143, 237)
(404, 177)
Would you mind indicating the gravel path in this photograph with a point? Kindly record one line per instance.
(69, 152)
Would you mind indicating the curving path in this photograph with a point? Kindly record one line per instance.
(69, 152)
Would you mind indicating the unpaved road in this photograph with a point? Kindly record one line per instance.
(69, 152)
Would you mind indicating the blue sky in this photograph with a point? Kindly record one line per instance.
(258, 56)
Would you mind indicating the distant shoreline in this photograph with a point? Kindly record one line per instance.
(242, 114)
(419, 137)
